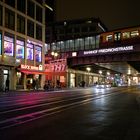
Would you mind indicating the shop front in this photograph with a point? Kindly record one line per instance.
(56, 72)
(27, 74)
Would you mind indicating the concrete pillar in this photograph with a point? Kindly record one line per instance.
(13, 78)
(1, 79)
(42, 80)
(25, 81)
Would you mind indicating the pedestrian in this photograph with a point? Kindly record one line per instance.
(34, 84)
(37, 84)
(7, 84)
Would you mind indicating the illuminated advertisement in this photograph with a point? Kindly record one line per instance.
(8, 46)
(30, 51)
(0, 45)
(29, 67)
(38, 54)
(20, 49)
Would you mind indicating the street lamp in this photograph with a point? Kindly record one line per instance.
(88, 69)
(100, 72)
(54, 54)
(47, 6)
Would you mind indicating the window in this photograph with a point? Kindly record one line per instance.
(67, 47)
(39, 1)
(84, 29)
(97, 41)
(30, 28)
(53, 46)
(21, 5)
(39, 32)
(1, 15)
(8, 46)
(79, 44)
(38, 13)
(9, 19)
(92, 42)
(30, 51)
(20, 24)
(10, 2)
(76, 29)
(38, 54)
(134, 33)
(72, 46)
(20, 49)
(117, 36)
(87, 43)
(109, 38)
(126, 35)
(30, 9)
(60, 46)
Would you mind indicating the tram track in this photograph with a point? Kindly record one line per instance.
(40, 113)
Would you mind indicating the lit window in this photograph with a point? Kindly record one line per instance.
(117, 36)
(126, 35)
(5, 71)
(109, 38)
(134, 33)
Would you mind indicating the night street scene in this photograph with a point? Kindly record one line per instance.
(69, 70)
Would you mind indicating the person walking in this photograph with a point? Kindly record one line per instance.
(7, 84)
(34, 84)
(37, 84)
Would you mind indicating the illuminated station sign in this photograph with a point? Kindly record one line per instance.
(109, 50)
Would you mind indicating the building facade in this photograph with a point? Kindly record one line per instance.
(65, 37)
(22, 43)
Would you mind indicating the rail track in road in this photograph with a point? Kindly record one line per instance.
(23, 111)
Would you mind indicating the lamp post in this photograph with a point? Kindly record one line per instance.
(100, 72)
(88, 69)
(54, 54)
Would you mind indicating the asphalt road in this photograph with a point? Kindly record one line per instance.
(79, 114)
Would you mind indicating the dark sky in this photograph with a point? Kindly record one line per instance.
(113, 13)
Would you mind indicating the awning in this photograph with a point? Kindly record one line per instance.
(56, 73)
(41, 72)
(31, 71)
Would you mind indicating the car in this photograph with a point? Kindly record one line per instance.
(103, 85)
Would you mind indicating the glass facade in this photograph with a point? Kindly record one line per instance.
(1, 15)
(20, 24)
(38, 32)
(38, 14)
(21, 5)
(9, 19)
(21, 40)
(30, 28)
(30, 8)
(10, 2)
(87, 43)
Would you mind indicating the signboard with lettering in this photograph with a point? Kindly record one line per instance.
(121, 49)
(28, 67)
(56, 66)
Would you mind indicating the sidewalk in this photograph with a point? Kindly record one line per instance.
(39, 90)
